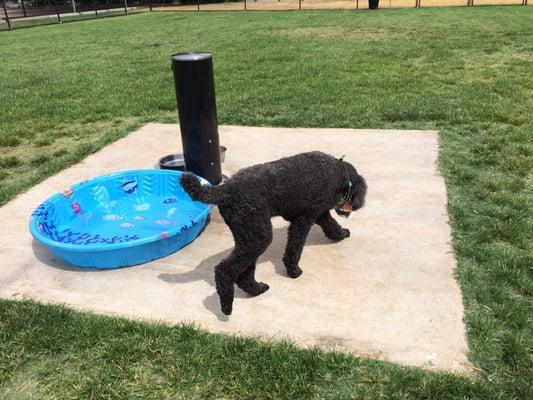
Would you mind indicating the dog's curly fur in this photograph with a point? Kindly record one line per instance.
(302, 189)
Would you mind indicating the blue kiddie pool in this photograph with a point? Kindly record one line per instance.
(119, 220)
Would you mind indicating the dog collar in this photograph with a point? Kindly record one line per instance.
(344, 207)
(346, 195)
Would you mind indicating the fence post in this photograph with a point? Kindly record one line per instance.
(23, 8)
(95, 10)
(299, 4)
(357, 5)
(5, 12)
(244, 5)
(198, 5)
(57, 12)
(126, 7)
(150, 5)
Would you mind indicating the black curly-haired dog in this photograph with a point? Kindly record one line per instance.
(302, 189)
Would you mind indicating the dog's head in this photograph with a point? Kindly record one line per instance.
(354, 191)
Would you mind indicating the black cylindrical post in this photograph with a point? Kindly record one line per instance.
(195, 95)
(373, 4)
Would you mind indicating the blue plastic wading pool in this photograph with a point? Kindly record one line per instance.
(118, 220)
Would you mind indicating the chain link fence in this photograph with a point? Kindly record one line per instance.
(249, 5)
(25, 13)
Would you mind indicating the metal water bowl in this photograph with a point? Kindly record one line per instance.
(176, 161)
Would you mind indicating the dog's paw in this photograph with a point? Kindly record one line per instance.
(257, 289)
(294, 272)
(226, 308)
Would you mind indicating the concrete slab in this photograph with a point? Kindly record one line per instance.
(387, 292)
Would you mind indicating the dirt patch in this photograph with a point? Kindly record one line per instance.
(51, 148)
(337, 33)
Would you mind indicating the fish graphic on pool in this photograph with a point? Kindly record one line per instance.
(129, 186)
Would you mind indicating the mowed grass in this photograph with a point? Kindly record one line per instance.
(68, 90)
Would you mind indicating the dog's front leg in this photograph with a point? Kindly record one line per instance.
(298, 231)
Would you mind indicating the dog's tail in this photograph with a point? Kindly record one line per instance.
(359, 192)
(206, 194)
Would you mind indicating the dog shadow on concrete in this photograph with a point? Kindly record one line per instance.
(206, 269)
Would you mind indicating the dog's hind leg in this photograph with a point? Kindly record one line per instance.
(298, 231)
(331, 228)
(252, 236)
(246, 281)
(226, 272)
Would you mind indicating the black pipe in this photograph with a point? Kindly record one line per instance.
(195, 95)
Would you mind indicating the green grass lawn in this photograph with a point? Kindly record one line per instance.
(67, 90)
